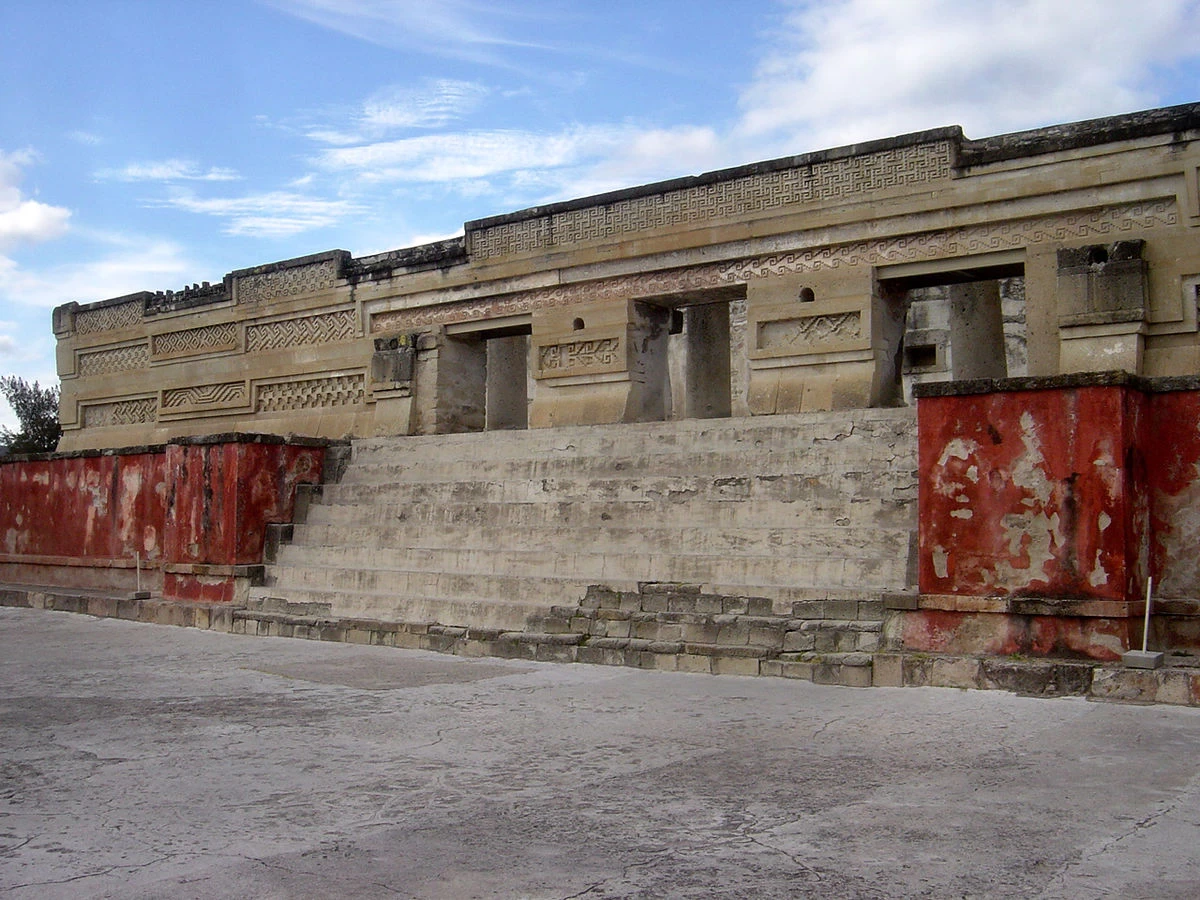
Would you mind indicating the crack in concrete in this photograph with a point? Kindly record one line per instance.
(81, 877)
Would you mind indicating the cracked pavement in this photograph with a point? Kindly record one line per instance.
(142, 761)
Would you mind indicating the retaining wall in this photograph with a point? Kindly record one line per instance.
(192, 513)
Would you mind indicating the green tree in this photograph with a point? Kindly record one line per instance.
(37, 411)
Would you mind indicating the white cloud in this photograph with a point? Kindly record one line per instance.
(433, 105)
(167, 170)
(127, 265)
(459, 29)
(272, 214)
(22, 219)
(477, 154)
(849, 70)
(85, 137)
(8, 345)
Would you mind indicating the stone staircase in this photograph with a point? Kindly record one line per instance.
(747, 545)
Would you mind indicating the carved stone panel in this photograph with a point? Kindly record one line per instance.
(828, 180)
(323, 328)
(231, 394)
(206, 339)
(289, 282)
(108, 318)
(116, 359)
(311, 393)
(121, 412)
(581, 357)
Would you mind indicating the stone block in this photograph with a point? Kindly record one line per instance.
(733, 665)
(599, 656)
(733, 634)
(955, 673)
(1175, 687)
(1128, 685)
(691, 662)
(560, 653)
(767, 636)
(700, 634)
(799, 641)
(888, 670)
(799, 669)
(104, 607)
(656, 602)
(855, 676)
(617, 628)
(841, 609)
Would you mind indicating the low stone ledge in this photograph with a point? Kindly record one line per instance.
(1177, 683)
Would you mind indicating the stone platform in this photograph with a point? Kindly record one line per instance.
(1177, 683)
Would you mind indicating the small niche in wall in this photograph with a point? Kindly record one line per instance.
(920, 356)
(807, 295)
(577, 324)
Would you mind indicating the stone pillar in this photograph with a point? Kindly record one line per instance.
(507, 382)
(976, 331)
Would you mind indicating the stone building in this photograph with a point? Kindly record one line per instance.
(830, 280)
(698, 445)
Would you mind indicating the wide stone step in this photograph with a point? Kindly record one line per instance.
(817, 541)
(707, 463)
(835, 486)
(509, 612)
(358, 565)
(592, 517)
(775, 432)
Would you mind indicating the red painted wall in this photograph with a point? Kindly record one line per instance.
(183, 507)
(89, 507)
(1073, 492)
(1172, 461)
(224, 495)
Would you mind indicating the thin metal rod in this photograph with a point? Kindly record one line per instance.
(1146, 624)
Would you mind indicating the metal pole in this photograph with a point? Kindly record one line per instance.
(1146, 624)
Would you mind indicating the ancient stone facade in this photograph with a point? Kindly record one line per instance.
(836, 279)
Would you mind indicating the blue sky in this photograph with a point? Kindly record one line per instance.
(149, 144)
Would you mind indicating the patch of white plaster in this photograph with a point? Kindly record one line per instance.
(941, 560)
(1107, 469)
(1032, 537)
(1104, 520)
(972, 474)
(958, 448)
(962, 513)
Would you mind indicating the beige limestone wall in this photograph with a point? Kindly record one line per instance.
(808, 260)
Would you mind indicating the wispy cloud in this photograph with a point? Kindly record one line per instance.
(272, 214)
(848, 70)
(167, 170)
(458, 29)
(85, 137)
(433, 103)
(22, 219)
(121, 264)
(467, 155)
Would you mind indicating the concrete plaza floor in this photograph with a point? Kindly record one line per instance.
(148, 761)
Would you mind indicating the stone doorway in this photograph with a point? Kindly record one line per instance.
(487, 386)
(682, 368)
(956, 324)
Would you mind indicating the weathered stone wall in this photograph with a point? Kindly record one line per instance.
(192, 513)
(1045, 505)
(772, 288)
